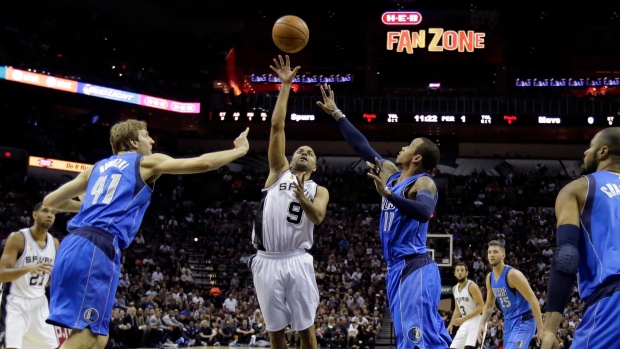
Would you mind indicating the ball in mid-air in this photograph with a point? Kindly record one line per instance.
(290, 34)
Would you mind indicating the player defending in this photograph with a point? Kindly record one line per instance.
(290, 208)
(509, 288)
(409, 197)
(117, 193)
(467, 311)
(25, 269)
(587, 243)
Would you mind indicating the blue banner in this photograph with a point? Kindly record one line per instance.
(2, 72)
(108, 93)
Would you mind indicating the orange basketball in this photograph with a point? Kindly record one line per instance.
(290, 34)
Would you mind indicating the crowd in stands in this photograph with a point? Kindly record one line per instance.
(166, 293)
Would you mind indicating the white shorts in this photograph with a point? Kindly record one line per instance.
(286, 289)
(467, 334)
(24, 323)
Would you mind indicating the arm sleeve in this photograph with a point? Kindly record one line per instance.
(564, 267)
(357, 140)
(419, 209)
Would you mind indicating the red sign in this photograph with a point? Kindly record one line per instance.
(510, 118)
(401, 18)
(369, 117)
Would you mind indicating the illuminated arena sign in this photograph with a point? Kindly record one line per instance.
(431, 39)
(72, 86)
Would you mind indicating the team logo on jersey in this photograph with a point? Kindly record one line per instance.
(91, 315)
(414, 334)
(519, 344)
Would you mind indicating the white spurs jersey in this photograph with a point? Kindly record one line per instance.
(463, 299)
(280, 224)
(32, 285)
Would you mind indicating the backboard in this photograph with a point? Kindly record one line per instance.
(440, 248)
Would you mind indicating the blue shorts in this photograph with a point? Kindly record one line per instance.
(598, 328)
(519, 332)
(84, 280)
(414, 292)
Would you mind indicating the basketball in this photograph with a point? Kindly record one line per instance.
(290, 34)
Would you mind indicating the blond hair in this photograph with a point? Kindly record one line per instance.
(123, 133)
(498, 244)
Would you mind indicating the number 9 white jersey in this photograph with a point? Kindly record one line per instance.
(280, 224)
(32, 285)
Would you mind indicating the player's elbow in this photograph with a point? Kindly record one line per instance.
(425, 214)
(203, 165)
(277, 125)
(317, 219)
(207, 166)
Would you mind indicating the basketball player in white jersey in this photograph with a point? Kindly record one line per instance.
(291, 206)
(25, 269)
(468, 309)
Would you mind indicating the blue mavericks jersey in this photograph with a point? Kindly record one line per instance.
(599, 243)
(116, 198)
(401, 235)
(508, 299)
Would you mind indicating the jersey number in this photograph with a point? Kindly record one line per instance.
(463, 310)
(100, 187)
(388, 218)
(505, 302)
(37, 280)
(294, 213)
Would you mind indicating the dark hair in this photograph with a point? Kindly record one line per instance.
(430, 153)
(37, 207)
(462, 265)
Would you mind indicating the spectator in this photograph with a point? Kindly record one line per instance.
(230, 303)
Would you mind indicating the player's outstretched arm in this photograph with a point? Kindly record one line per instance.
(12, 248)
(277, 141)
(564, 264)
(352, 135)
(154, 165)
(62, 199)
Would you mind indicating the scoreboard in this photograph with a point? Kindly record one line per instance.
(430, 119)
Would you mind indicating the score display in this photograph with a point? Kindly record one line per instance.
(430, 119)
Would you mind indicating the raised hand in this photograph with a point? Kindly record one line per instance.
(284, 69)
(374, 172)
(241, 142)
(329, 103)
(299, 187)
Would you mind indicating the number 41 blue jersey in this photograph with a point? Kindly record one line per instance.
(116, 198)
